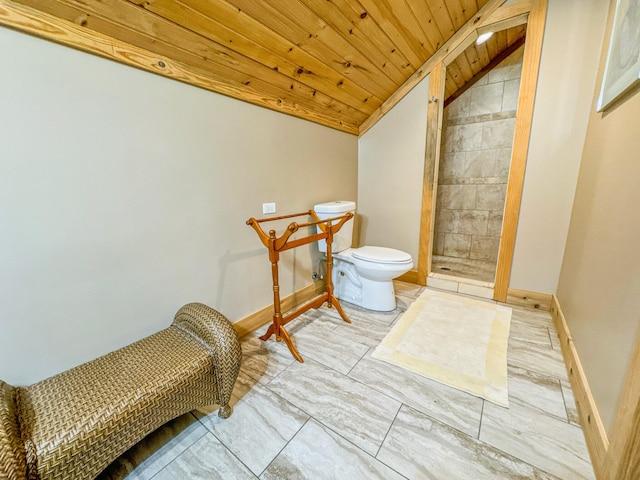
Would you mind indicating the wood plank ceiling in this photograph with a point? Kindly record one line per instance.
(333, 62)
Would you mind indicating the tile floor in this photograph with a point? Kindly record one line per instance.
(482, 270)
(345, 415)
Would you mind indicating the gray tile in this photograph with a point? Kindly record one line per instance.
(482, 80)
(261, 425)
(480, 163)
(486, 99)
(449, 405)
(419, 447)
(472, 222)
(156, 451)
(318, 453)
(527, 332)
(460, 106)
(509, 69)
(353, 310)
(550, 444)
(532, 316)
(353, 410)
(462, 138)
(407, 289)
(457, 245)
(494, 223)
(534, 357)
(336, 351)
(452, 165)
(365, 331)
(263, 360)
(537, 392)
(498, 134)
(457, 197)
(491, 197)
(503, 162)
(555, 341)
(511, 94)
(438, 243)
(570, 403)
(445, 220)
(465, 268)
(402, 303)
(207, 459)
(484, 248)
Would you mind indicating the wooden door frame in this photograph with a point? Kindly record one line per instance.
(534, 11)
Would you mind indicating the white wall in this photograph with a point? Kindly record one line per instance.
(124, 195)
(572, 41)
(390, 173)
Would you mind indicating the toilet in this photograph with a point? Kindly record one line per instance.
(362, 276)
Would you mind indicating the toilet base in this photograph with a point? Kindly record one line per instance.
(371, 295)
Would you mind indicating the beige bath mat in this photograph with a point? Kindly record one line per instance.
(455, 340)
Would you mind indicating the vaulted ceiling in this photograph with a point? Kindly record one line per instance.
(334, 62)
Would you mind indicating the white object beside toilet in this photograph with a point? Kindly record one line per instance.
(362, 276)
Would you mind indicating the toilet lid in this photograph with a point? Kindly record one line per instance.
(381, 254)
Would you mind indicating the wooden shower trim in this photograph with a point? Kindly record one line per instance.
(536, 11)
(520, 149)
(275, 245)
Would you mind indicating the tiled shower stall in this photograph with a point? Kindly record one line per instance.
(474, 168)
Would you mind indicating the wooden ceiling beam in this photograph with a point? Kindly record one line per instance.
(34, 22)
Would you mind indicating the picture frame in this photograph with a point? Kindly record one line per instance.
(622, 68)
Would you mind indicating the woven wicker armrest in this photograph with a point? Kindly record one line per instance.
(217, 334)
(72, 425)
(13, 463)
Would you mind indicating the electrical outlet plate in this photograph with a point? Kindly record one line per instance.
(268, 208)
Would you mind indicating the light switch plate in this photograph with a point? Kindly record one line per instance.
(268, 208)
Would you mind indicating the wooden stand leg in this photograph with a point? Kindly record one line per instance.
(277, 327)
(331, 299)
(292, 347)
(339, 309)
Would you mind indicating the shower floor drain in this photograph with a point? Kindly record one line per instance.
(447, 269)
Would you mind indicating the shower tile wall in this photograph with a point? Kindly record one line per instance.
(474, 164)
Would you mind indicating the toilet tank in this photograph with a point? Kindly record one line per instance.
(341, 240)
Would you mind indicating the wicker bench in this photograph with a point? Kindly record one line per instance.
(72, 425)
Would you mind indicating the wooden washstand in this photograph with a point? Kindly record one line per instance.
(275, 245)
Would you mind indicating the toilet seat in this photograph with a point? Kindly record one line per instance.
(380, 255)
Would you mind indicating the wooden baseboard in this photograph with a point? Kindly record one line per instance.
(410, 277)
(524, 298)
(592, 426)
(263, 316)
